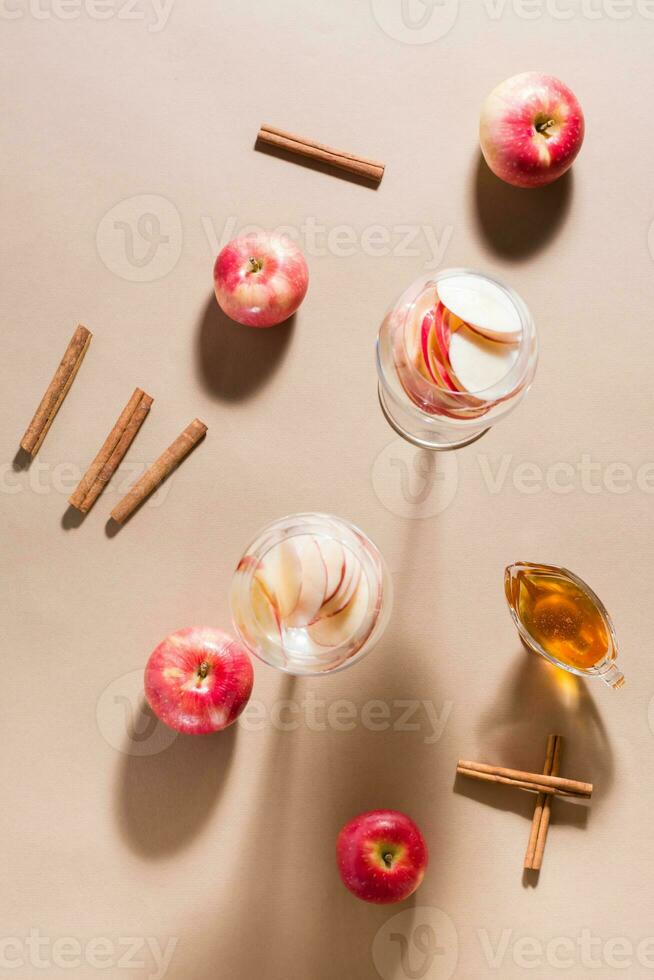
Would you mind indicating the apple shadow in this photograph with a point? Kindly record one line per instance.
(318, 165)
(164, 799)
(234, 361)
(312, 781)
(516, 222)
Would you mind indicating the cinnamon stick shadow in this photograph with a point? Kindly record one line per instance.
(22, 461)
(72, 518)
(319, 165)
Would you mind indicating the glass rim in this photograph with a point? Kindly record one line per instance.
(528, 344)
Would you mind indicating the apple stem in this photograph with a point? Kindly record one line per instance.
(388, 860)
(203, 670)
(542, 127)
(256, 264)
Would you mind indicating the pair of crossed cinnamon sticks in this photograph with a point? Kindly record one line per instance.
(115, 446)
(547, 785)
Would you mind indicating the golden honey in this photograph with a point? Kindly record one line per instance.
(560, 615)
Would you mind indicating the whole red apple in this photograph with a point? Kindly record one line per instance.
(382, 856)
(198, 680)
(260, 279)
(531, 129)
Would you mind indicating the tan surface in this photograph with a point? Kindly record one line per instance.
(227, 844)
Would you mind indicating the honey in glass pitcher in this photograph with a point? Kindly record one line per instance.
(560, 617)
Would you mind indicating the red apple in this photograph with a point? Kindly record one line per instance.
(531, 129)
(260, 279)
(198, 680)
(382, 856)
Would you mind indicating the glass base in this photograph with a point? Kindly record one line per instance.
(434, 440)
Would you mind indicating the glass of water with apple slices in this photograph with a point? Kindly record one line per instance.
(311, 594)
(455, 353)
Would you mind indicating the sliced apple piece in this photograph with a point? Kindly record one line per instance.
(313, 582)
(482, 305)
(333, 556)
(479, 363)
(347, 588)
(264, 611)
(281, 573)
(332, 631)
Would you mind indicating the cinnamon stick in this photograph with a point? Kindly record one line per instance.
(301, 146)
(112, 452)
(536, 782)
(157, 473)
(540, 800)
(56, 391)
(547, 810)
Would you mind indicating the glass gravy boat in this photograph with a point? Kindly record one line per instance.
(559, 616)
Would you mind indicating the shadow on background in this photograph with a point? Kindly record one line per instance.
(233, 360)
(515, 221)
(540, 699)
(287, 913)
(72, 518)
(163, 800)
(22, 460)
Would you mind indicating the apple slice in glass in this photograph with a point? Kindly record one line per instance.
(483, 306)
(313, 582)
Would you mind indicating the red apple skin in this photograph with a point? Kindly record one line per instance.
(382, 856)
(531, 129)
(260, 279)
(198, 680)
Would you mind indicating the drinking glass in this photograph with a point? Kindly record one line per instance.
(311, 594)
(424, 412)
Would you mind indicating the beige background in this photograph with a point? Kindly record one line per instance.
(225, 844)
